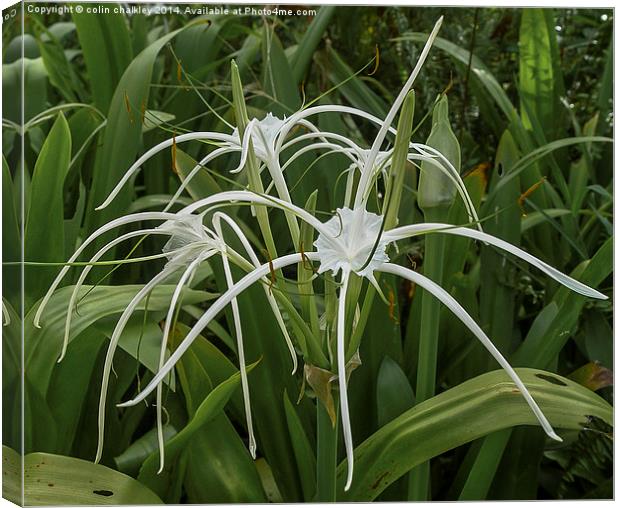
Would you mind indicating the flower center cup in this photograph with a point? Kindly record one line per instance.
(348, 241)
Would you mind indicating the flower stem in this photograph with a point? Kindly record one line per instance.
(326, 455)
(419, 481)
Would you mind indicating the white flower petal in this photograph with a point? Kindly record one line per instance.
(215, 136)
(444, 297)
(107, 368)
(565, 280)
(217, 217)
(186, 277)
(342, 377)
(215, 309)
(121, 221)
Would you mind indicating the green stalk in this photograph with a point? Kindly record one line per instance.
(435, 197)
(326, 455)
(419, 480)
(254, 181)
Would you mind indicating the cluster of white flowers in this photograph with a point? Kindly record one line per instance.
(352, 241)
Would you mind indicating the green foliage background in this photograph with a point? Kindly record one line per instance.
(534, 101)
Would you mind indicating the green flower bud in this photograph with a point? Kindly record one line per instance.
(435, 188)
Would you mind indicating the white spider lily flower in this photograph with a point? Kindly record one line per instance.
(349, 241)
(353, 241)
(264, 134)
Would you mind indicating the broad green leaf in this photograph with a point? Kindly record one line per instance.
(34, 76)
(131, 459)
(470, 410)
(202, 184)
(304, 453)
(44, 231)
(11, 243)
(59, 480)
(394, 393)
(355, 90)
(121, 138)
(106, 46)
(302, 57)
(278, 80)
(532, 157)
(540, 350)
(536, 71)
(61, 73)
(42, 345)
(204, 418)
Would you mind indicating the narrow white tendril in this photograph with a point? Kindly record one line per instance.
(6, 317)
(217, 217)
(186, 181)
(107, 368)
(428, 153)
(191, 136)
(245, 388)
(250, 197)
(366, 174)
(245, 145)
(185, 279)
(342, 377)
(432, 228)
(213, 311)
(444, 297)
(121, 221)
(84, 274)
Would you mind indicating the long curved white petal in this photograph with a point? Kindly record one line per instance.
(562, 278)
(250, 197)
(107, 368)
(6, 317)
(376, 146)
(121, 221)
(422, 149)
(86, 271)
(215, 309)
(245, 388)
(187, 275)
(203, 162)
(245, 146)
(217, 217)
(342, 377)
(191, 136)
(444, 297)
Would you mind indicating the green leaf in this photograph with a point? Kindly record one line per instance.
(44, 231)
(355, 90)
(61, 74)
(122, 135)
(106, 46)
(11, 243)
(34, 76)
(208, 434)
(304, 453)
(536, 71)
(309, 42)
(278, 80)
(59, 480)
(131, 459)
(468, 411)
(42, 345)
(202, 184)
(541, 349)
(394, 393)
